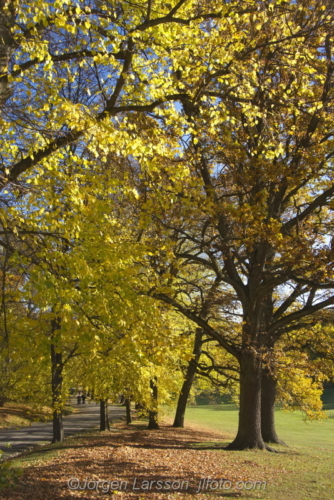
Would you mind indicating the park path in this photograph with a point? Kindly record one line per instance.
(87, 416)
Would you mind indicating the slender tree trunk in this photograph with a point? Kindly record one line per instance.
(104, 417)
(188, 381)
(249, 430)
(153, 414)
(128, 411)
(56, 384)
(268, 397)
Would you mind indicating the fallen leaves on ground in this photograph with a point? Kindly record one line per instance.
(135, 464)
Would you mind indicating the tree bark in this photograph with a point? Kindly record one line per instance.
(56, 384)
(268, 397)
(188, 381)
(128, 411)
(249, 430)
(153, 413)
(7, 47)
(104, 417)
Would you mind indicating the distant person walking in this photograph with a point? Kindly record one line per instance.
(79, 398)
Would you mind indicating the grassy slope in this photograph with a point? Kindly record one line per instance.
(14, 415)
(19, 415)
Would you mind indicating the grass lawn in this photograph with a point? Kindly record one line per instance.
(303, 470)
(307, 463)
(291, 427)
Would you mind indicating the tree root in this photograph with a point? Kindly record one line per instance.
(257, 446)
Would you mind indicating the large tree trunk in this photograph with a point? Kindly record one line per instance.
(104, 417)
(188, 381)
(56, 384)
(128, 411)
(249, 430)
(268, 396)
(153, 413)
(7, 46)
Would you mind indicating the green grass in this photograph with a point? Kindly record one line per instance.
(306, 465)
(291, 427)
(304, 470)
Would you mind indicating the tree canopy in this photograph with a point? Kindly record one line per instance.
(165, 166)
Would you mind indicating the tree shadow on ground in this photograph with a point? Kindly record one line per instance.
(153, 464)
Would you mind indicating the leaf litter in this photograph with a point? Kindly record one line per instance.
(130, 463)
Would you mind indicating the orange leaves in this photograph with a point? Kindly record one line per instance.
(140, 464)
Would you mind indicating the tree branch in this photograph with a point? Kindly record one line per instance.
(319, 201)
(200, 322)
